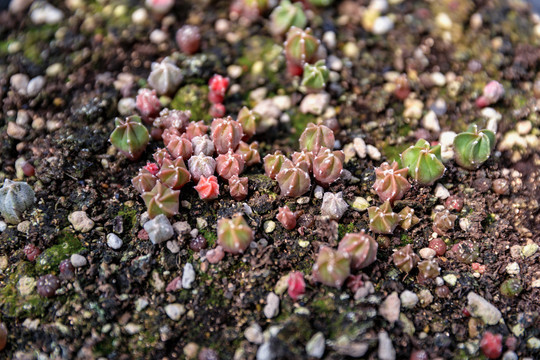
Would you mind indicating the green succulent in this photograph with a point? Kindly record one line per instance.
(424, 162)
(472, 148)
(315, 76)
(321, 2)
(286, 15)
(130, 136)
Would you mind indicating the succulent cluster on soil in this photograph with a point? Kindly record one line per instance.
(258, 179)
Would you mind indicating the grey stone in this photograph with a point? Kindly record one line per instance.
(480, 307)
(316, 345)
(272, 305)
(386, 350)
(159, 229)
(188, 276)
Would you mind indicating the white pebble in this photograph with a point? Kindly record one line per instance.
(427, 253)
(382, 25)
(316, 345)
(271, 308)
(114, 241)
(139, 16)
(360, 147)
(512, 268)
(373, 152)
(188, 277)
(408, 299)
(438, 79)
(35, 85)
(158, 36)
(441, 192)
(318, 192)
(430, 122)
(175, 311)
(3, 226)
(159, 229)
(78, 260)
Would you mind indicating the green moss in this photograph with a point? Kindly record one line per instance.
(406, 239)
(129, 216)
(194, 98)
(67, 245)
(393, 152)
(36, 39)
(264, 49)
(210, 236)
(346, 229)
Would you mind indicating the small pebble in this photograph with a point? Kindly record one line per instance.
(302, 200)
(175, 311)
(3, 226)
(15, 131)
(430, 122)
(512, 268)
(316, 345)
(360, 204)
(529, 250)
(139, 16)
(373, 152)
(114, 241)
(159, 229)
(408, 299)
(382, 25)
(271, 308)
(188, 276)
(441, 192)
(78, 260)
(386, 350)
(480, 307)
(319, 192)
(360, 147)
(315, 103)
(191, 350)
(80, 221)
(427, 253)
(158, 36)
(389, 308)
(269, 226)
(173, 246)
(425, 297)
(45, 13)
(450, 279)
(254, 334)
(438, 79)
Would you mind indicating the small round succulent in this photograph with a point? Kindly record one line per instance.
(250, 10)
(473, 147)
(198, 128)
(160, 7)
(202, 145)
(315, 137)
(333, 205)
(217, 86)
(47, 285)
(249, 152)
(301, 46)
(180, 147)
(408, 218)
(144, 181)
(391, 182)
(208, 188)
(165, 77)
(148, 104)
(286, 217)
(293, 180)
(226, 134)
(174, 173)
(286, 15)
(201, 165)
(169, 134)
(274, 162)
(31, 251)
(405, 258)
(67, 270)
(511, 287)
(443, 221)
(229, 164)
(493, 91)
(303, 156)
(249, 120)
(424, 162)
(327, 166)
(332, 267)
(15, 198)
(176, 119)
(217, 110)
(382, 220)
(238, 187)
(188, 39)
(466, 251)
(361, 247)
(234, 235)
(428, 269)
(161, 200)
(296, 286)
(130, 137)
(315, 76)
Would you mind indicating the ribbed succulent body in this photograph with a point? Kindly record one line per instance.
(234, 235)
(238, 187)
(196, 128)
(408, 219)
(293, 180)
(174, 174)
(315, 76)
(391, 183)
(301, 46)
(286, 15)
(217, 86)
(201, 165)
(180, 147)
(443, 221)
(202, 145)
(226, 134)
(315, 137)
(144, 181)
(170, 133)
(303, 156)
(130, 136)
(165, 77)
(361, 248)
(229, 164)
(332, 267)
(382, 220)
(161, 200)
(188, 39)
(327, 166)
(428, 269)
(177, 119)
(249, 120)
(274, 162)
(473, 147)
(249, 152)
(148, 104)
(296, 285)
(286, 217)
(405, 258)
(208, 188)
(15, 198)
(424, 162)
(333, 205)
(160, 155)
(160, 7)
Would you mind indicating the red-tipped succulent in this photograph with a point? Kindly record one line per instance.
(296, 285)
(177, 119)
(226, 134)
(249, 152)
(234, 235)
(201, 165)
(161, 200)
(217, 87)
(382, 220)
(174, 173)
(294, 180)
(153, 168)
(208, 188)
(391, 183)
(148, 104)
(144, 181)
(405, 258)
(180, 147)
(274, 162)
(303, 156)
(249, 120)
(196, 129)
(229, 164)
(130, 137)
(316, 137)
(188, 39)
(361, 247)
(160, 155)
(327, 166)
(238, 187)
(286, 217)
(202, 145)
(332, 267)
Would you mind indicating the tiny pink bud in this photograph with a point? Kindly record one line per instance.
(297, 285)
(217, 110)
(218, 84)
(238, 187)
(226, 134)
(188, 39)
(180, 147)
(286, 217)
(491, 345)
(148, 104)
(208, 188)
(229, 164)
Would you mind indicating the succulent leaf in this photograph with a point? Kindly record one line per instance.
(361, 247)
(472, 148)
(234, 235)
(130, 137)
(424, 162)
(332, 267)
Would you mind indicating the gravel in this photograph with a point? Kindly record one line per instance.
(114, 241)
(480, 307)
(78, 260)
(159, 229)
(316, 345)
(272, 305)
(390, 307)
(188, 277)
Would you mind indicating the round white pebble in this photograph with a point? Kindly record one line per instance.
(114, 241)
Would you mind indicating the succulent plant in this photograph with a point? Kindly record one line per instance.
(333, 205)
(286, 15)
(493, 91)
(361, 247)
(274, 162)
(15, 198)
(391, 183)
(296, 285)
(148, 103)
(293, 180)
(402, 89)
(47, 285)
(424, 162)
(202, 145)
(249, 9)
(144, 181)
(170, 133)
(160, 155)
(472, 148)
(238, 187)
(234, 235)
(165, 77)
(286, 217)
(405, 258)
(201, 165)
(188, 39)
(511, 287)
(321, 3)
(315, 76)
(226, 134)
(466, 251)
(174, 173)
(176, 119)
(180, 147)
(443, 221)
(229, 164)
(217, 86)
(31, 252)
(383, 220)
(161, 200)
(217, 110)
(408, 219)
(303, 156)
(208, 188)
(249, 152)
(428, 269)
(327, 166)
(160, 7)
(301, 46)
(315, 137)
(332, 267)
(152, 168)
(130, 137)
(196, 129)
(249, 120)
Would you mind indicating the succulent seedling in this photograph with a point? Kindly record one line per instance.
(328, 165)
(208, 188)
(144, 181)
(15, 198)
(229, 164)
(202, 145)
(286, 217)
(332, 267)
(443, 221)
(234, 235)
(165, 77)
(201, 165)
(188, 39)
(424, 162)
(249, 120)
(315, 76)
(249, 152)
(197, 128)
(180, 147)
(391, 182)
(130, 136)
(405, 258)
(161, 200)
(226, 134)
(473, 147)
(333, 205)
(274, 162)
(293, 180)
(148, 104)
(238, 187)
(408, 218)
(300, 47)
(286, 15)
(361, 247)
(174, 174)
(315, 137)
(382, 220)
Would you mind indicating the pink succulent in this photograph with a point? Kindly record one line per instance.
(226, 134)
(234, 235)
(174, 173)
(238, 187)
(274, 162)
(148, 104)
(188, 39)
(196, 129)
(180, 147)
(391, 184)
(491, 345)
(229, 164)
(297, 285)
(294, 180)
(303, 156)
(201, 165)
(286, 217)
(249, 120)
(217, 110)
(160, 7)
(202, 145)
(170, 133)
(160, 155)
(316, 137)
(176, 119)
(218, 84)
(208, 188)
(332, 267)
(249, 152)
(144, 181)
(361, 247)
(161, 200)
(493, 91)
(153, 168)
(328, 165)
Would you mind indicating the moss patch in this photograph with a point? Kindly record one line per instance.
(67, 245)
(193, 98)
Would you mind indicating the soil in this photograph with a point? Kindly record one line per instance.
(98, 313)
